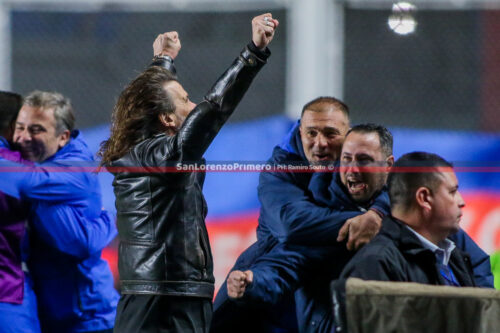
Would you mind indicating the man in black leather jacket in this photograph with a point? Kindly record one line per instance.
(165, 262)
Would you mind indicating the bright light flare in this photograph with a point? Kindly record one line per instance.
(401, 20)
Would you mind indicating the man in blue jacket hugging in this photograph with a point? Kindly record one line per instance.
(290, 262)
(68, 229)
(290, 214)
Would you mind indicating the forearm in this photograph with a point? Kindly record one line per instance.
(37, 183)
(322, 229)
(53, 181)
(292, 217)
(382, 204)
(70, 231)
(276, 274)
(205, 121)
(230, 88)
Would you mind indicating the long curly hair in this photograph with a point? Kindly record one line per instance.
(135, 115)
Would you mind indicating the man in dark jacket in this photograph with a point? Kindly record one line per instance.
(288, 211)
(413, 244)
(165, 262)
(311, 266)
(280, 270)
(290, 214)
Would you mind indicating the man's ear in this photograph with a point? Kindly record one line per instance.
(167, 120)
(424, 198)
(64, 138)
(390, 161)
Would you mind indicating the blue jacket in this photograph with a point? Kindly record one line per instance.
(307, 269)
(289, 215)
(311, 268)
(297, 210)
(290, 212)
(69, 229)
(280, 270)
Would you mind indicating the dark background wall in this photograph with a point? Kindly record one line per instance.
(444, 76)
(90, 57)
(430, 79)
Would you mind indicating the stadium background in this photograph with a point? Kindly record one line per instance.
(436, 89)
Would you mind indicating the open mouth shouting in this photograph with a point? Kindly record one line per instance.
(356, 186)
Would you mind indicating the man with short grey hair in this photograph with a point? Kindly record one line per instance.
(68, 228)
(54, 121)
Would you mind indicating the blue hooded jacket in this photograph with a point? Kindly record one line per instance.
(289, 210)
(69, 229)
(297, 212)
(289, 215)
(289, 266)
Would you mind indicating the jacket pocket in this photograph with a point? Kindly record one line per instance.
(135, 225)
(141, 262)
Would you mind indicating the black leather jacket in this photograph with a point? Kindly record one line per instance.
(164, 248)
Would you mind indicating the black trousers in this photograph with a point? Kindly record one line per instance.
(163, 314)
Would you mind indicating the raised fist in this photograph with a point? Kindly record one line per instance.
(237, 283)
(263, 28)
(168, 43)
